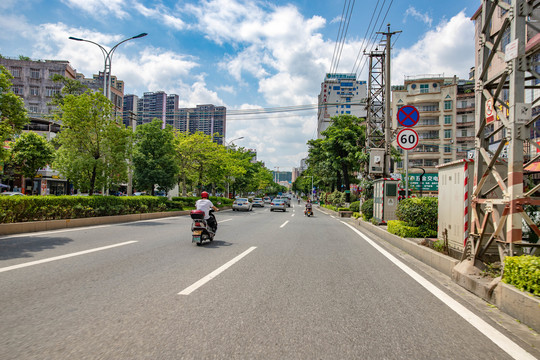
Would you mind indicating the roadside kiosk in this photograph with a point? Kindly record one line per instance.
(385, 199)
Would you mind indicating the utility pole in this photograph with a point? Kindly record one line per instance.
(506, 68)
(379, 124)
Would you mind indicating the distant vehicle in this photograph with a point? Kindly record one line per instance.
(258, 202)
(138, 193)
(267, 200)
(278, 204)
(286, 199)
(242, 204)
(12, 193)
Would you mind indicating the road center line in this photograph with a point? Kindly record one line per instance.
(510, 347)
(285, 223)
(215, 273)
(37, 262)
(292, 215)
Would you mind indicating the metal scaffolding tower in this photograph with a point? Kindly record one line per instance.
(506, 94)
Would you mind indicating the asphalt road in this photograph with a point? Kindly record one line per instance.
(271, 286)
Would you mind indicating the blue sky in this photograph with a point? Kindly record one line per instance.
(242, 54)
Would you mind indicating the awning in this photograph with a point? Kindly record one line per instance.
(534, 167)
(4, 186)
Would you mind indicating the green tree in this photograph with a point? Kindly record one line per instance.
(93, 147)
(13, 115)
(31, 152)
(154, 157)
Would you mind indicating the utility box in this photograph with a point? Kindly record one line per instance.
(385, 199)
(454, 215)
(376, 161)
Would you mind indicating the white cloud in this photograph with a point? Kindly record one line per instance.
(99, 8)
(417, 15)
(448, 50)
(160, 13)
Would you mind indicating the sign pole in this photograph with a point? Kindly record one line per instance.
(406, 174)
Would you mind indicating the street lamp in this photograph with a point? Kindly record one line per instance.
(107, 55)
(228, 143)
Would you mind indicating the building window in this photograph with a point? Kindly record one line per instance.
(464, 118)
(33, 108)
(464, 132)
(348, 106)
(424, 88)
(16, 72)
(347, 112)
(447, 133)
(18, 90)
(448, 105)
(447, 119)
(34, 91)
(446, 161)
(52, 91)
(463, 104)
(35, 73)
(447, 149)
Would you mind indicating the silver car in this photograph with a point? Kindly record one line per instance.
(242, 204)
(278, 204)
(258, 202)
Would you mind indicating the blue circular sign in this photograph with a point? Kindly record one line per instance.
(408, 116)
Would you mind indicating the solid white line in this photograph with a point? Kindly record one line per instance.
(64, 256)
(215, 273)
(510, 347)
(222, 221)
(285, 223)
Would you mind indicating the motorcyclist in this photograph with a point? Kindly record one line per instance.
(308, 206)
(204, 204)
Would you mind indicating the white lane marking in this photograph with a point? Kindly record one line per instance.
(292, 215)
(332, 216)
(222, 221)
(215, 273)
(510, 347)
(31, 263)
(285, 223)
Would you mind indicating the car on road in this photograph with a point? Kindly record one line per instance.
(242, 204)
(12, 193)
(278, 204)
(267, 200)
(258, 202)
(286, 199)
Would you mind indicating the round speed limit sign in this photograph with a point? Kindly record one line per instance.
(407, 139)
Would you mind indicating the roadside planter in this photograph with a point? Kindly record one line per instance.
(345, 214)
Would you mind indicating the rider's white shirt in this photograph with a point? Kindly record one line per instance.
(204, 205)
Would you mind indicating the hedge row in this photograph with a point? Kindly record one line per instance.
(523, 272)
(38, 208)
(400, 228)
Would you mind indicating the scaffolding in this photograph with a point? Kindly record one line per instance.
(509, 48)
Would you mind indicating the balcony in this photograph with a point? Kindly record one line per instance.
(461, 124)
(465, 139)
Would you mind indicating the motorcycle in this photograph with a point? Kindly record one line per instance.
(200, 228)
(309, 212)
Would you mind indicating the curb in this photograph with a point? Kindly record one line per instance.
(47, 225)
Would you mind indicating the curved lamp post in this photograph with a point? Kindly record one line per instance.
(229, 178)
(107, 55)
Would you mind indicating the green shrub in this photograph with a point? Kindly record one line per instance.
(356, 215)
(400, 228)
(419, 212)
(355, 206)
(367, 209)
(343, 209)
(523, 272)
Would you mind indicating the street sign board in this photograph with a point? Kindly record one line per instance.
(408, 116)
(407, 139)
(430, 182)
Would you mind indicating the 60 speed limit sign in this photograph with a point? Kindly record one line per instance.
(407, 139)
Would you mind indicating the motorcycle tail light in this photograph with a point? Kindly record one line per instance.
(197, 224)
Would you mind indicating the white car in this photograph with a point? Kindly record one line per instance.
(12, 193)
(258, 202)
(242, 204)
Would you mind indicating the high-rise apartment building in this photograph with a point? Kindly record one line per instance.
(129, 114)
(152, 105)
(117, 89)
(340, 94)
(171, 110)
(209, 119)
(446, 125)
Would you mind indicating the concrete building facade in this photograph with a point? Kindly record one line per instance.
(209, 119)
(340, 94)
(446, 125)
